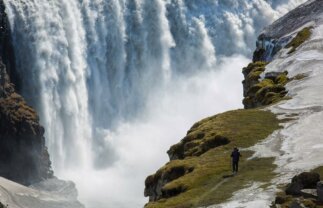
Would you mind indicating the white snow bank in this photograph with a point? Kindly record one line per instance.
(253, 196)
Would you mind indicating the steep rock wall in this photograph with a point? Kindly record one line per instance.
(23, 154)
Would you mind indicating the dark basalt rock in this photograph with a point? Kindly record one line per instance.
(7, 54)
(23, 154)
(306, 180)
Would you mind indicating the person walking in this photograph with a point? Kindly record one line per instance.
(235, 155)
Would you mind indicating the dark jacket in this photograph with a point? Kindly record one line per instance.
(235, 156)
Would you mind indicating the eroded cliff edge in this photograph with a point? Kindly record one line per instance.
(278, 130)
(23, 155)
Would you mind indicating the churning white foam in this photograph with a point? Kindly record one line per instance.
(116, 82)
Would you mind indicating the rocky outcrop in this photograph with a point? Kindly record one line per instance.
(155, 184)
(262, 91)
(259, 88)
(195, 144)
(23, 154)
(302, 181)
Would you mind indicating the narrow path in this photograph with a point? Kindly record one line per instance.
(214, 188)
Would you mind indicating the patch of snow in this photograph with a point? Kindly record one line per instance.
(251, 197)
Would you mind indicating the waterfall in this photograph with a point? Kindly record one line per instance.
(92, 68)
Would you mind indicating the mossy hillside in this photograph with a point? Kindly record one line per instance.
(204, 184)
(299, 39)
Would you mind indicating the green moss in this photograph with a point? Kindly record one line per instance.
(300, 38)
(205, 185)
(282, 79)
(258, 66)
(265, 83)
(318, 170)
(264, 92)
(15, 107)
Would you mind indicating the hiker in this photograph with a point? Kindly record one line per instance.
(235, 155)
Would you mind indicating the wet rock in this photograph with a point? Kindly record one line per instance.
(23, 155)
(294, 189)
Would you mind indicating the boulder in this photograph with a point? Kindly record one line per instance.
(304, 180)
(294, 189)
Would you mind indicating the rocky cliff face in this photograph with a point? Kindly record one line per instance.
(6, 48)
(23, 154)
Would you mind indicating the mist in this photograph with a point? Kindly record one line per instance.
(139, 147)
(116, 83)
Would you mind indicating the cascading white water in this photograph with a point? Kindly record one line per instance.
(111, 79)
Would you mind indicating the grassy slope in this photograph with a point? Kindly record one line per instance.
(243, 128)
